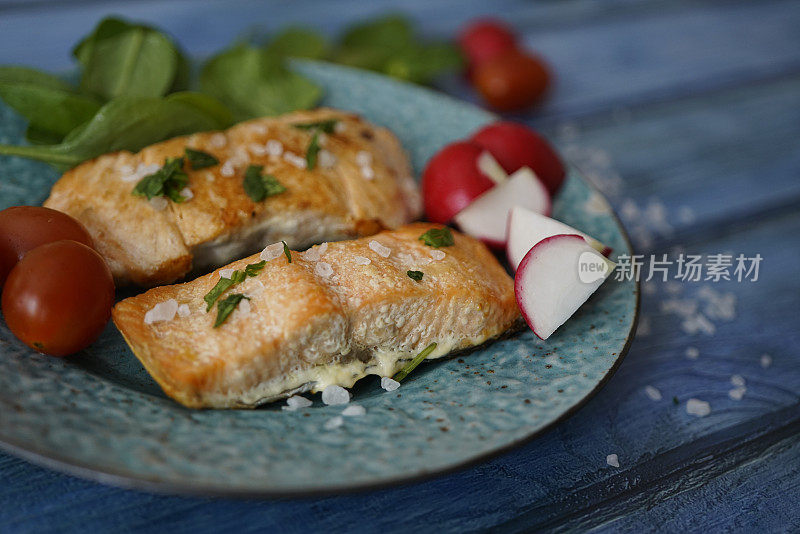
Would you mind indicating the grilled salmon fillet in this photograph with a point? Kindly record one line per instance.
(362, 183)
(336, 313)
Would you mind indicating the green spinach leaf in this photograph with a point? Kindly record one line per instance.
(299, 42)
(123, 59)
(254, 83)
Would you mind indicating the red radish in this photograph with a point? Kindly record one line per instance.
(489, 166)
(526, 228)
(485, 39)
(486, 217)
(555, 278)
(452, 180)
(515, 145)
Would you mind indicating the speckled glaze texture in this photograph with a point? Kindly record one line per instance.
(99, 414)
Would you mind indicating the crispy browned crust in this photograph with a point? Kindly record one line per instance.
(149, 247)
(300, 320)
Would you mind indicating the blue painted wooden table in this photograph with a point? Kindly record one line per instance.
(687, 115)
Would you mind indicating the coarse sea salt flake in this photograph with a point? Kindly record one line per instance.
(322, 249)
(257, 149)
(158, 203)
(323, 269)
(389, 384)
(227, 169)
(737, 393)
(274, 147)
(326, 159)
(653, 393)
(363, 158)
(379, 249)
(438, 255)
(243, 307)
(698, 407)
(333, 423)
(187, 194)
(296, 402)
(163, 311)
(184, 311)
(218, 140)
(612, 460)
(361, 260)
(126, 169)
(294, 159)
(226, 273)
(354, 410)
(272, 251)
(333, 395)
(368, 173)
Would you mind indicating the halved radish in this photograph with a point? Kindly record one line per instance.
(555, 278)
(526, 228)
(486, 217)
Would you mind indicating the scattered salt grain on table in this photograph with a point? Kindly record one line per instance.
(163, 311)
(737, 393)
(698, 407)
(692, 353)
(653, 393)
(333, 395)
(334, 423)
(737, 380)
(296, 402)
(389, 384)
(354, 410)
(766, 360)
(272, 251)
(379, 249)
(612, 460)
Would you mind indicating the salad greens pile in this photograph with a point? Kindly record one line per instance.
(135, 86)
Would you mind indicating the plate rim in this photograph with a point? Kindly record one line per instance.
(127, 481)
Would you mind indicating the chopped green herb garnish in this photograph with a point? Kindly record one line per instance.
(410, 366)
(312, 151)
(237, 277)
(675, 400)
(254, 268)
(287, 252)
(438, 237)
(167, 181)
(415, 275)
(327, 126)
(226, 307)
(259, 186)
(222, 285)
(199, 159)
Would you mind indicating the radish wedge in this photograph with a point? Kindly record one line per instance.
(526, 228)
(555, 278)
(490, 168)
(486, 217)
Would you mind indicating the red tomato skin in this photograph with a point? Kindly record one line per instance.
(451, 181)
(485, 39)
(515, 146)
(58, 298)
(7, 261)
(23, 228)
(513, 81)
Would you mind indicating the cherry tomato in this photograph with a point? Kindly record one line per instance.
(6, 264)
(512, 81)
(485, 39)
(58, 298)
(23, 228)
(451, 181)
(515, 145)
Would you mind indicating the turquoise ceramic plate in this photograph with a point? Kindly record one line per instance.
(100, 415)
